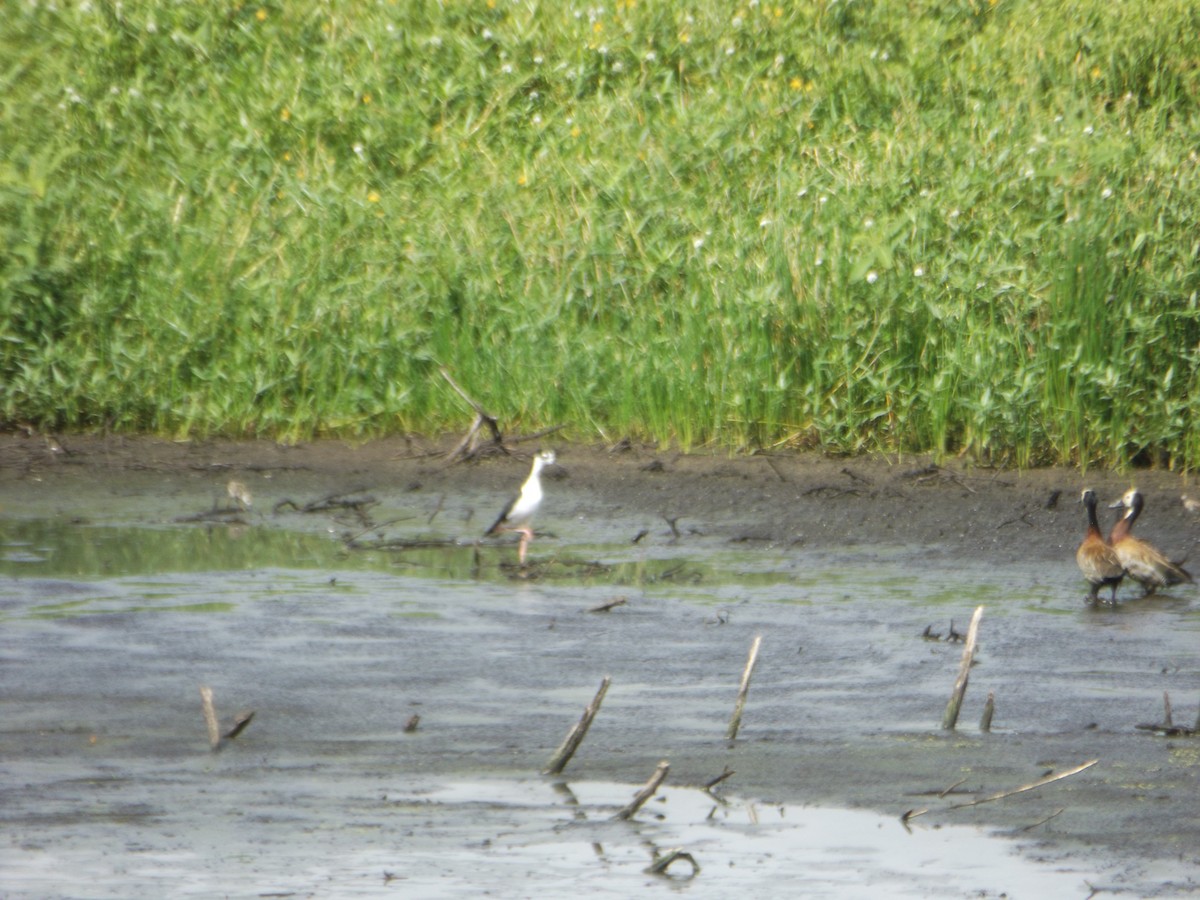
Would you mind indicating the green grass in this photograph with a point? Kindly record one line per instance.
(954, 226)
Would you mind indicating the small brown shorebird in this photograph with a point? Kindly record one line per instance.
(1097, 560)
(518, 514)
(239, 494)
(1142, 561)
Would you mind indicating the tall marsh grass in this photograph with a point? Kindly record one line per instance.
(951, 225)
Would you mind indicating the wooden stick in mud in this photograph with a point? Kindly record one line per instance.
(575, 736)
(950, 718)
(736, 722)
(210, 716)
(989, 709)
(1041, 782)
(646, 792)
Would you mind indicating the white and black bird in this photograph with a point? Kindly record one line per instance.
(518, 515)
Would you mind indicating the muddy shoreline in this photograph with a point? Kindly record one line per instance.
(1061, 702)
(787, 497)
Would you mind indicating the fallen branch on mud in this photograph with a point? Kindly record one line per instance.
(1041, 782)
(609, 605)
(663, 861)
(578, 731)
(339, 500)
(646, 792)
(1167, 728)
(911, 814)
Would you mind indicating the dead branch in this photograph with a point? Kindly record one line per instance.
(989, 710)
(713, 782)
(950, 718)
(468, 447)
(1054, 815)
(736, 722)
(611, 604)
(646, 792)
(578, 731)
(215, 738)
(210, 716)
(1041, 782)
(338, 500)
(660, 864)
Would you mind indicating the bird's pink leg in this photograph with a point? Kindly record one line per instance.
(526, 537)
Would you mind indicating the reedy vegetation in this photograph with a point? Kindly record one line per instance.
(935, 225)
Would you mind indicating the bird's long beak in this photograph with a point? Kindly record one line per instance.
(1120, 504)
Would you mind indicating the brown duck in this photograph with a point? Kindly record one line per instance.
(1141, 561)
(1097, 560)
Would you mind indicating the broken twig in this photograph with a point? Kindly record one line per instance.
(646, 792)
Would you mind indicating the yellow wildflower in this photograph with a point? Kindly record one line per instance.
(261, 15)
(373, 197)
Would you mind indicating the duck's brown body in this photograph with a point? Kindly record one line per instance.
(1142, 562)
(1097, 560)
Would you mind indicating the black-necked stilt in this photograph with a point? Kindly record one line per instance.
(1141, 561)
(519, 512)
(1097, 560)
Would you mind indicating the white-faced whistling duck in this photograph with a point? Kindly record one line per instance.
(1142, 562)
(519, 512)
(1097, 560)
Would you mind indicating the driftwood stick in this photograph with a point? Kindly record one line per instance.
(1041, 782)
(609, 605)
(1054, 815)
(210, 716)
(1167, 710)
(660, 864)
(466, 447)
(646, 792)
(713, 782)
(736, 722)
(989, 709)
(578, 731)
(950, 718)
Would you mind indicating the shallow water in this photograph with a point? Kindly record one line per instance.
(113, 615)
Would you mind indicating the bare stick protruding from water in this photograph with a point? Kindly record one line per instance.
(950, 719)
(210, 716)
(575, 736)
(736, 722)
(646, 792)
(1167, 710)
(215, 738)
(989, 709)
(1041, 782)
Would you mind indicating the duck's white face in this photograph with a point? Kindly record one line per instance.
(1085, 493)
(547, 457)
(1126, 501)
